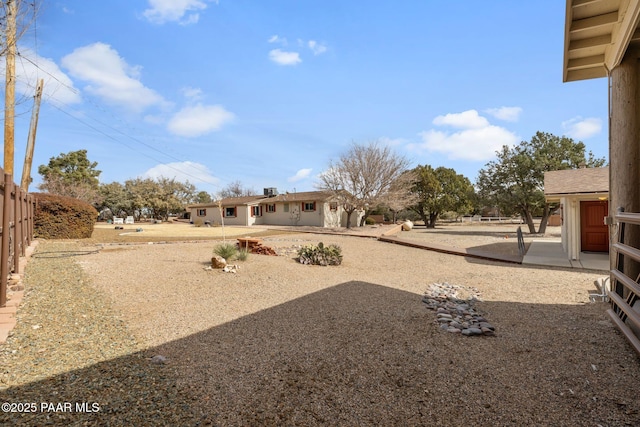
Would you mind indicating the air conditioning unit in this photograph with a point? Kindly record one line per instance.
(270, 192)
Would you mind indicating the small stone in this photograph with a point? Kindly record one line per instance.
(486, 325)
(159, 360)
(475, 331)
(488, 332)
(453, 330)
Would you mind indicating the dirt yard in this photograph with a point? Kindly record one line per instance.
(280, 343)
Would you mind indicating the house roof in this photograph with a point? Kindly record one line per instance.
(576, 181)
(253, 200)
(229, 201)
(597, 34)
(298, 197)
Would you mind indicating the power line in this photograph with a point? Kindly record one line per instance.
(74, 90)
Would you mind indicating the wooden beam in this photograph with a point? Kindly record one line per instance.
(578, 3)
(588, 62)
(623, 34)
(590, 42)
(594, 22)
(585, 74)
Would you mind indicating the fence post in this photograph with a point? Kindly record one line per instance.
(18, 247)
(4, 253)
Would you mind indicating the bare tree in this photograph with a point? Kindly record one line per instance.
(400, 196)
(363, 177)
(236, 189)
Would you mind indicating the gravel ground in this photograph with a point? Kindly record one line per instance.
(280, 343)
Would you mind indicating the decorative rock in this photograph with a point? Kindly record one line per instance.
(218, 262)
(407, 226)
(457, 315)
(230, 269)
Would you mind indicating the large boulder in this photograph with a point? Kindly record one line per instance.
(407, 226)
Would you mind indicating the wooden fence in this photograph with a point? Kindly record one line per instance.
(625, 291)
(16, 219)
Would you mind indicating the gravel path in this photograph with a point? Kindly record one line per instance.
(281, 343)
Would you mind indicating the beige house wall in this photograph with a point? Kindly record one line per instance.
(243, 216)
(286, 214)
(570, 229)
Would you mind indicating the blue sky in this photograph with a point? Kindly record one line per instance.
(268, 92)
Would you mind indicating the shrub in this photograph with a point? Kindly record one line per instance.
(369, 221)
(320, 255)
(242, 254)
(226, 251)
(60, 217)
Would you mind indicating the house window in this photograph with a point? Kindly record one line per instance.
(286, 207)
(333, 206)
(202, 212)
(256, 210)
(309, 206)
(230, 212)
(271, 207)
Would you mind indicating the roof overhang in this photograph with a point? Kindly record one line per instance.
(602, 196)
(597, 34)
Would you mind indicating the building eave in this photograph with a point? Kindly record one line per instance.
(596, 36)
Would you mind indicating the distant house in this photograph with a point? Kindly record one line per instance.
(234, 210)
(584, 203)
(311, 208)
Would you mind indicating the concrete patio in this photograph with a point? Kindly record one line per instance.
(548, 252)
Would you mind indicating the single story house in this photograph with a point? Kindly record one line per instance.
(583, 195)
(311, 208)
(234, 210)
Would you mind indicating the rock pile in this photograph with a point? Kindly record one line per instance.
(455, 312)
(263, 250)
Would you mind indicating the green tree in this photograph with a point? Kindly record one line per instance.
(202, 197)
(72, 175)
(157, 198)
(363, 177)
(114, 198)
(440, 190)
(514, 182)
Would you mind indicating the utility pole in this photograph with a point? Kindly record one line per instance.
(10, 89)
(31, 139)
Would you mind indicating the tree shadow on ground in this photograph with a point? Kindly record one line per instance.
(362, 354)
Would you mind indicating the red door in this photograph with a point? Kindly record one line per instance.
(594, 234)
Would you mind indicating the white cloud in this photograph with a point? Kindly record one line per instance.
(181, 11)
(277, 39)
(199, 120)
(478, 140)
(58, 87)
(466, 120)
(284, 58)
(110, 77)
(509, 114)
(192, 93)
(316, 48)
(580, 128)
(300, 175)
(182, 172)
